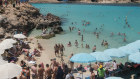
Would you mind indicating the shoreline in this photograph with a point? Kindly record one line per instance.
(81, 3)
(91, 3)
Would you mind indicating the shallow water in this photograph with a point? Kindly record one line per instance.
(105, 18)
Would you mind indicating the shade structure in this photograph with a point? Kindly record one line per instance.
(135, 57)
(9, 41)
(113, 52)
(128, 49)
(1, 51)
(2, 61)
(114, 78)
(101, 57)
(9, 70)
(19, 36)
(83, 58)
(5, 45)
(135, 45)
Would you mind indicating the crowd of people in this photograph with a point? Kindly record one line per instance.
(53, 71)
(59, 48)
(13, 2)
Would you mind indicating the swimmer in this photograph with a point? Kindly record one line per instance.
(94, 33)
(128, 25)
(83, 30)
(70, 28)
(76, 43)
(69, 44)
(102, 43)
(124, 40)
(82, 45)
(94, 48)
(124, 35)
(96, 28)
(97, 35)
(79, 32)
(86, 46)
(82, 38)
(119, 33)
(112, 34)
(106, 44)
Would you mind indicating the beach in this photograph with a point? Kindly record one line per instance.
(84, 29)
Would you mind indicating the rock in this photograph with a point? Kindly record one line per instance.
(60, 29)
(46, 36)
(25, 18)
(2, 33)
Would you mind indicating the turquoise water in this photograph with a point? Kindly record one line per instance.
(112, 17)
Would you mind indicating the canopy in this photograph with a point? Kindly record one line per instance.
(128, 50)
(114, 78)
(5, 45)
(19, 36)
(9, 41)
(2, 61)
(101, 57)
(135, 57)
(9, 70)
(1, 51)
(114, 53)
(82, 58)
(135, 45)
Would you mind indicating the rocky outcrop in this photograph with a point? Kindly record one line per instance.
(46, 36)
(25, 18)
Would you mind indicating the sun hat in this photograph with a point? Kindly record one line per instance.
(101, 66)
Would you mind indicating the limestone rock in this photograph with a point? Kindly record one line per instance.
(2, 33)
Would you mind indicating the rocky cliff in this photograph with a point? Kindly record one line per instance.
(24, 18)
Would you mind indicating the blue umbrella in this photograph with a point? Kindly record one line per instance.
(128, 49)
(135, 45)
(82, 58)
(114, 53)
(135, 57)
(101, 57)
(114, 78)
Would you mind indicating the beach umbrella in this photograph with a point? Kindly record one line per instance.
(113, 52)
(83, 58)
(128, 50)
(9, 41)
(2, 61)
(101, 57)
(19, 36)
(9, 70)
(114, 78)
(135, 45)
(5, 45)
(135, 57)
(1, 51)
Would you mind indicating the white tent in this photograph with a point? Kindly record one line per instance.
(9, 70)
(19, 36)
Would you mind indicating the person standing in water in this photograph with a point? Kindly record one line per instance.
(97, 35)
(112, 34)
(94, 48)
(76, 43)
(82, 38)
(102, 43)
(124, 40)
(70, 28)
(106, 44)
(79, 32)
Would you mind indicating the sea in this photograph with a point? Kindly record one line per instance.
(113, 23)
